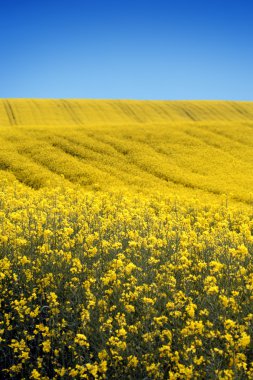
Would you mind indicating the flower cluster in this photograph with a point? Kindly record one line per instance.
(97, 286)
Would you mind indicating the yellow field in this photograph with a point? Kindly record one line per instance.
(126, 240)
(195, 149)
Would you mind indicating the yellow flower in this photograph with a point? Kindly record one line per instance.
(190, 309)
(35, 374)
(129, 268)
(81, 340)
(244, 340)
(229, 324)
(46, 345)
(132, 361)
(148, 300)
(130, 308)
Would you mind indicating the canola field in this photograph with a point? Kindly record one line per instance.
(126, 240)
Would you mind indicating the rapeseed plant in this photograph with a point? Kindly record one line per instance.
(126, 240)
(98, 285)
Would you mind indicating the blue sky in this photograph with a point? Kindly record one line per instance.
(128, 49)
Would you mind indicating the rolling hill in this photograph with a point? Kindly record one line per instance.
(186, 148)
(126, 240)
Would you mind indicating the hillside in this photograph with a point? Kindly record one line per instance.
(126, 240)
(88, 112)
(187, 148)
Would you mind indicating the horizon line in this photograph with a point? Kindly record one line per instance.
(127, 99)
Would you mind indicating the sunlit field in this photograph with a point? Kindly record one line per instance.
(126, 232)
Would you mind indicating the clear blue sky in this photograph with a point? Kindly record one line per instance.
(128, 49)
